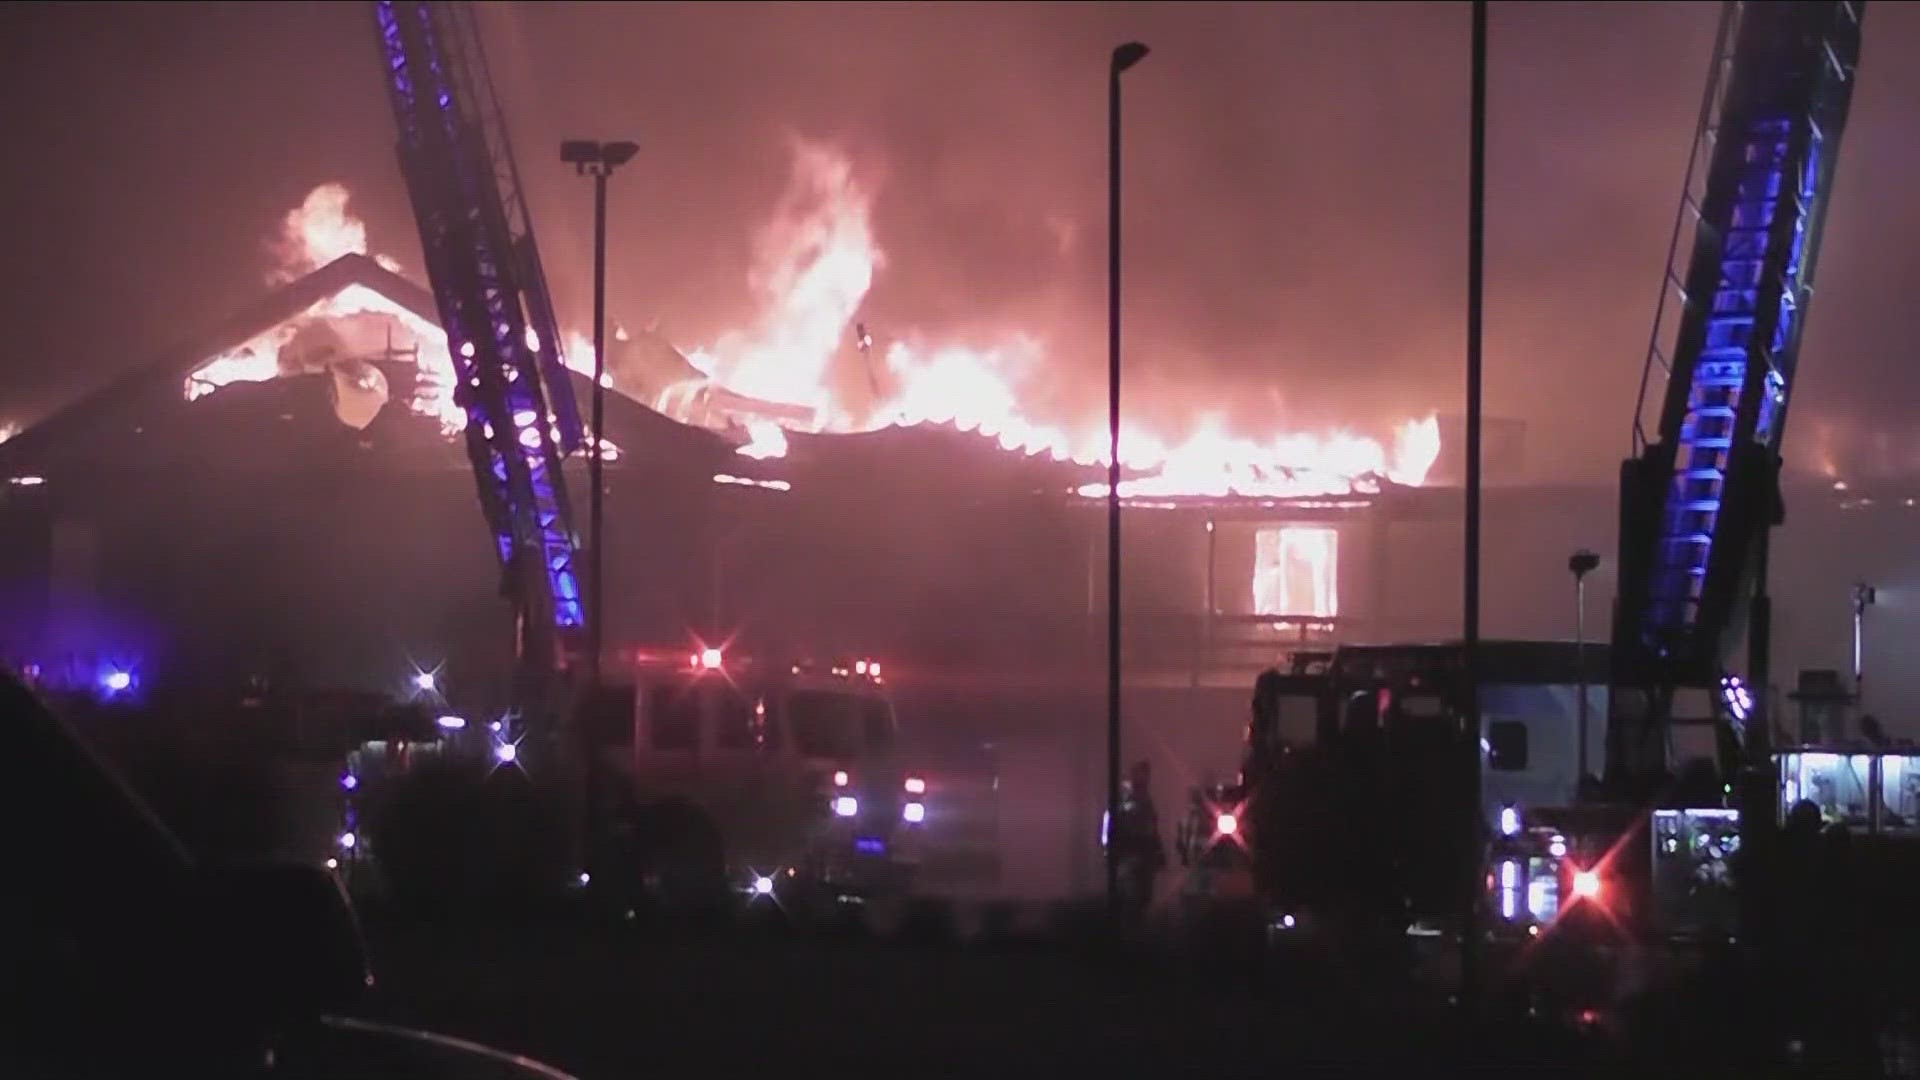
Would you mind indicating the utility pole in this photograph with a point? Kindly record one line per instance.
(1470, 608)
(596, 463)
(1124, 57)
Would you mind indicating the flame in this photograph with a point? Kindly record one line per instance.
(815, 263)
(765, 440)
(579, 354)
(319, 231)
(255, 361)
(1296, 572)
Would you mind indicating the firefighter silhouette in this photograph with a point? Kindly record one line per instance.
(1137, 850)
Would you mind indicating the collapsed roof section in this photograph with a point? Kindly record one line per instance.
(291, 376)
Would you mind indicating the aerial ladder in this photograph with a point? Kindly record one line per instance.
(1386, 779)
(1701, 494)
(484, 269)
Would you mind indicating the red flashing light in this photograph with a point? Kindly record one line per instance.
(916, 786)
(708, 659)
(1586, 884)
(1226, 824)
(868, 670)
(841, 779)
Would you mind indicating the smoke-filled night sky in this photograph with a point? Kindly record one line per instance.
(1296, 187)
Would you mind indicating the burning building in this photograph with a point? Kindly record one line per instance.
(309, 436)
(282, 496)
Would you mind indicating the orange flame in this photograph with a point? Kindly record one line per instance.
(318, 231)
(818, 259)
(815, 263)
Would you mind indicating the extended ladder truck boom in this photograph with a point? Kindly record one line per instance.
(644, 814)
(1698, 499)
(521, 418)
(1390, 764)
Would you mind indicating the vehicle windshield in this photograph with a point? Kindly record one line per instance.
(830, 723)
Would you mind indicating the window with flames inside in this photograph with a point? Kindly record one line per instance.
(1296, 572)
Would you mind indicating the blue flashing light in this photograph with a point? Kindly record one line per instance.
(1737, 697)
(115, 682)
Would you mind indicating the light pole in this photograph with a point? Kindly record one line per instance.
(598, 160)
(1581, 563)
(1124, 57)
(1863, 598)
(1470, 605)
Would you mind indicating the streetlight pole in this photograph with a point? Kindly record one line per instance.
(1582, 563)
(1124, 57)
(596, 464)
(598, 160)
(1470, 606)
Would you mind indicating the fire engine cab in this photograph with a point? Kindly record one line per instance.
(774, 777)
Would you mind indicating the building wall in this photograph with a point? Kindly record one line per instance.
(341, 577)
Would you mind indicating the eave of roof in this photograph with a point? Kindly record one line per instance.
(167, 373)
(631, 426)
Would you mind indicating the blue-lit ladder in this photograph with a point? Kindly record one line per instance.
(1777, 100)
(488, 286)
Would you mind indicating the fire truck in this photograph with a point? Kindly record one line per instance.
(672, 771)
(1363, 763)
(772, 778)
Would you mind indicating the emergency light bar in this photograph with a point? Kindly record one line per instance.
(703, 658)
(858, 669)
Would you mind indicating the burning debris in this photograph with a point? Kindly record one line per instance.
(787, 371)
(278, 352)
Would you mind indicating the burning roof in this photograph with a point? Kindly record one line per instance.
(768, 401)
(296, 356)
